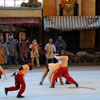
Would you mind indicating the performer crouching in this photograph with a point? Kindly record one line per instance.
(63, 69)
(19, 80)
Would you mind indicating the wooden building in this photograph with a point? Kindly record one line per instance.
(21, 21)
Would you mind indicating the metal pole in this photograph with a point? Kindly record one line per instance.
(4, 3)
(14, 3)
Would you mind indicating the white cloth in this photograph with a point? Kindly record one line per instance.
(50, 48)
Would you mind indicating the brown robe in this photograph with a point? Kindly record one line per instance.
(1, 57)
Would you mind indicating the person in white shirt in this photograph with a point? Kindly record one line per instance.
(34, 47)
(63, 69)
(50, 50)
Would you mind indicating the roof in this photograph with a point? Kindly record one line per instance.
(69, 23)
(30, 21)
(21, 8)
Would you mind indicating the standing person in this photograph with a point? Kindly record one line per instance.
(12, 47)
(60, 45)
(24, 49)
(2, 72)
(63, 69)
(1, 55)
(50, 50)
(19, 80)
(34, 47)
(5, 51)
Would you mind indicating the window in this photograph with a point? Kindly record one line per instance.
(1, 3)
(13, 3)
(18, 2)
(9, 3)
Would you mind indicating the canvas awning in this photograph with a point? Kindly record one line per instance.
(27, 21)
(69, 23)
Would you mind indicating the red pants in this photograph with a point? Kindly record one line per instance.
(0, 73)
(62, 71)
(19, 81)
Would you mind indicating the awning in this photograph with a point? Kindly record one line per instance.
(69, 23)
(27, 21)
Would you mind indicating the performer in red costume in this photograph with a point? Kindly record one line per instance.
(63, 69)
(19, 80)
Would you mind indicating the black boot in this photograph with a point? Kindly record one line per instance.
(52, 86)
(67, 82)
(76, 84)
(40, 83)
(6, 91)
(0, 76)
(20, 96)
(56, 80)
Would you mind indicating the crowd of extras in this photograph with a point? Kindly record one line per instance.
(14, 52)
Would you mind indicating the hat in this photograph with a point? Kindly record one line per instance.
(50, 40)
(10, 37)
(59, 37)
(34, 41)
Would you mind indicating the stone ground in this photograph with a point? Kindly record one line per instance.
(88, 78)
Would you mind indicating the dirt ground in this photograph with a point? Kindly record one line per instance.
(88, 78)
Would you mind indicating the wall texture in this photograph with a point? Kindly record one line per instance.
(20, 13)
(88, 7)
(87, 39)
(49, 8)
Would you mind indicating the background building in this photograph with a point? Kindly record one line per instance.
(75, 39)
(18, 21)
(78, 21)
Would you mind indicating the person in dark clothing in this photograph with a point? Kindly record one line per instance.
(60, 45)
(24, 50)
(12, 48)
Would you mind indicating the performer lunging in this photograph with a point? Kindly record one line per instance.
(19, 80)
(63, 69)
